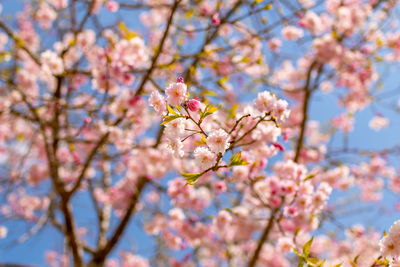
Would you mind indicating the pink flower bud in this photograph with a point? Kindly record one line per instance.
(205, 10)
(193, 105)
(87, 120)
(275, 202)
(179, 80)
(112, 6)
(76, 157)
(132, 101)
(278, 146)
(302, 23)
(220, 187)
(215, 19)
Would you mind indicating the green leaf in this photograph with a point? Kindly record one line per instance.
(170, 110)
(223, 80)
(258, 178)
(127, 33)
(246, 60)
(356, 258)
(313, 261)
(301, 262)
(236, 160)
(209, 92)
(297, 252)
(307, 246)
(238, 163)
(352, 263)
(232, 111)
(170, 118)
(384, 262)
(191, 178)
(210, 109)
(203, 141)
(296, 232)
(310, 176)
(268, 7)
(189, 14)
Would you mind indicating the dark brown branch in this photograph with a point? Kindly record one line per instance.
(306, 99)
(159, 49)
(210, 38)
(70, 233)
(307, 95)
(88, 160)
(100, 256)
(263, 238)
(19, 42)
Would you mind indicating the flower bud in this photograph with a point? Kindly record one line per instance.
(193, 105)
(215, 19)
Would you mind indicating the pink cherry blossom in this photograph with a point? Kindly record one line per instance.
(292, 33)
(204, 157)
(176, 93)
(217, 141)
(344, 122)
(389, 244)
(52, 62)
(112, 6)
(157, 101)
(265, 101)
(378, 122)
(3, 232)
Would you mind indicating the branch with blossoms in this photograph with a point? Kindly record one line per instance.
(220, 141)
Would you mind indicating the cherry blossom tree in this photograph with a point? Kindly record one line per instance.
(191, 121)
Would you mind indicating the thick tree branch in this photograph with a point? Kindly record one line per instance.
(267, 230)
(19, 42)
(158, 50)
(100, 256)
(306, 100)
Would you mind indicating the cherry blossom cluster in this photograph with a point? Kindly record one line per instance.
(194, 121)
(389, 244)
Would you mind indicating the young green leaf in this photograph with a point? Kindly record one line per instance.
(170, 110)
(191, 178)
(313, 261)
(307, 246)
(210, 109)
(223, 80)
(236, 160)
(297, 252)
(310, 176)
(203, 141)
(170, 118)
